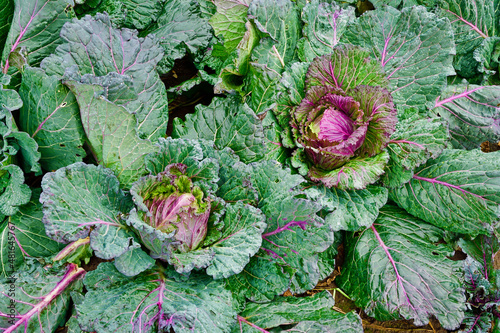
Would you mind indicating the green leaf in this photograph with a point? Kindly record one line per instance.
(324, 25)
(152, 301)
(50, 114)
(472, 21)
(35, 28)
(126, 54)
(13, 191)
(472, 113)
(459, 191)
(414, 47)
(488, 57)
(133, 262)
(6, 13)
(260, 280)
(79, 197)
(131, 14)
(413, 143)
(227, 123)
(303, 311)
(26, 233)
(398, 269)
(229, 21)
(349, 210)
(241, 238)
(355, 174)
(111, 133)
(181, 28)
(41, 297)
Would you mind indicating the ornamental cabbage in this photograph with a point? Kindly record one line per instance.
(175, 205)
(345, 119)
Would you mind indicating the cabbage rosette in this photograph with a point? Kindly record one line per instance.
(344, 121)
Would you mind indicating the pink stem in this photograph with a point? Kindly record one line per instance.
(73, 273)
(408, 142)
(71, 247)
(435, 181)
(241, 319)
(301, 224)
(454, 97)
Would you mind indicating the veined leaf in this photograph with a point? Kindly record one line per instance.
(229, 21)
(459, 191)
(473, 113)
(414, 47)
(396, 269)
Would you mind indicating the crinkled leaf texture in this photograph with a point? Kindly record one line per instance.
(228, 123)
(229, 21)
(349, 210)
(85, 200)
(414, 142)
(93, 46)
(35, 28)
(50, 115)
(181, 29)
(26, 233)
(397, 269)
(459, 191)
(230, 242)
(153, 302)
(315, 311)
(291, 220)
(41, 297)
(111, 133)
(473, 113)
(414, 47)
(473, 21)
(324, 25)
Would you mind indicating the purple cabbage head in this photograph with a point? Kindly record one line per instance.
(347, 114)
(174, 205)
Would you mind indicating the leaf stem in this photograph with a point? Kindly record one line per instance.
(241, 319)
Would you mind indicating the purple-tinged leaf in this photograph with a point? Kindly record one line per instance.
(347, 67)
(397, 269)
(472, 112)
(414, 142)
(414, 47)
(39, 300)
(459, 191)
(35, 28)
(153, 302)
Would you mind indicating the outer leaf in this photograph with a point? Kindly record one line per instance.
(133, 262)
(227, 123)
(50, 114)
(473, 113)
(350, 322)
(242, 238)
(131, 14)
(41, 298)
(260, 280)
(301, 310)
(355, 174)
(112, 134)
(78, 197)
(14, 192)
(125, 54)
(413, 143)
(472, 21)
(458, 191)
(349, 210)
(324, 25)
(153, 302)
(181, 28)
(229, 21)
(395, 268)
(414, 47)
(25, 232)
(201, 168)
(6, 13)
(35, 28)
